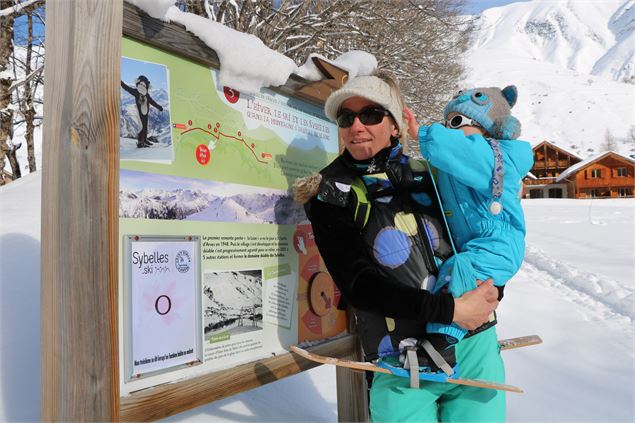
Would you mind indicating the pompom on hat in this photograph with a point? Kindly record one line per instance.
(490, 107)
(372, 88)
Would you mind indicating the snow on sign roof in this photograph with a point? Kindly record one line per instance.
(355, 62)
(246, 64)
(573, 169)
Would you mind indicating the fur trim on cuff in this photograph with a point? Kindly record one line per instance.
(306, 188)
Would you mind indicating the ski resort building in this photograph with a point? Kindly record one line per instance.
(607, 174)
(550, 161)
(558, 173)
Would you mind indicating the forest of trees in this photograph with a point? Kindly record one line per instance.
(419, 41)
(21, 79)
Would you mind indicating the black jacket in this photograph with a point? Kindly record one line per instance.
(383, 280)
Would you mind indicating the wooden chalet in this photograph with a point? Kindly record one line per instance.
(605, 175)
(550, 161)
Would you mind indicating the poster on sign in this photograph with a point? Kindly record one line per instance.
(164, 302)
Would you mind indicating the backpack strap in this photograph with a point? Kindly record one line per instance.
(361, 208)
(496, 205)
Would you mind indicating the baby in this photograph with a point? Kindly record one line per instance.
(479, 169)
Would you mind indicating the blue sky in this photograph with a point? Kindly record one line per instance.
(476, 6)
(131, 69)
(20, 28)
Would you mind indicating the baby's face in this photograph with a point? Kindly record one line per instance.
(468, 129)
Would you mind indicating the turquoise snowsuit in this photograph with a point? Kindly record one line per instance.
(488, 245)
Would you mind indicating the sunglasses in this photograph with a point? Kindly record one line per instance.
(459, 121)
(371, 115)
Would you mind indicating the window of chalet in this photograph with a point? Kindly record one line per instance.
(593, 193)
(625, 192)
(536, 193)
(555, 192)
(596, 173)
(622, 171)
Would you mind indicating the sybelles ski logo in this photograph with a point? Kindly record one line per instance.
(182, 261)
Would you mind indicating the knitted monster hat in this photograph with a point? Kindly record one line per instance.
(490, 107)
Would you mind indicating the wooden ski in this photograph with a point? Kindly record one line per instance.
(505, 344)
(520, 342)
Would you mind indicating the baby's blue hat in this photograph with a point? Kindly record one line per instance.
(490, 107)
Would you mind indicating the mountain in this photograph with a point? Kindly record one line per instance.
(231, 296)
(178, 204)
(159, 204)
(158, 122)
(572, 62)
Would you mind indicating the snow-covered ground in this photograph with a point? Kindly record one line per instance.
(575, 290)
(568, 59)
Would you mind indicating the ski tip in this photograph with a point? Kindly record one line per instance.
(486, 384)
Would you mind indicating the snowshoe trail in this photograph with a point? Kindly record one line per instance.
(594, 290)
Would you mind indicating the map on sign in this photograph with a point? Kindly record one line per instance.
(221, 134)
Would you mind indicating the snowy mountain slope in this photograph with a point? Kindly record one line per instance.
(158, 122)
(229, 296)
(198, 205)
(567, 59)
(156, 204)
(571, 34)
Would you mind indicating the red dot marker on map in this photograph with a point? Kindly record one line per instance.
(202, 154)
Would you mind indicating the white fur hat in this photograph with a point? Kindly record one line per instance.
(371, 88)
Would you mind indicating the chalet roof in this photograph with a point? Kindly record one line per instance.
(564, 150)
(584, 163)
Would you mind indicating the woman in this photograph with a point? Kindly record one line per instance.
(381, 234)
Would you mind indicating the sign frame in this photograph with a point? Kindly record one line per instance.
(129, 296)
(80, 229)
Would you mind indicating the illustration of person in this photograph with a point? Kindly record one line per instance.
(143, 101)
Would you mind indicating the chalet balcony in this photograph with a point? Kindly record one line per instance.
(539, 181)
(605, 182)
(552, 164)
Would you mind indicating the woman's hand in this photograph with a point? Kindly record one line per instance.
(473, 308)
(413, 125)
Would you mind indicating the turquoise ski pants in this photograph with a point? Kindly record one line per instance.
(392, 399)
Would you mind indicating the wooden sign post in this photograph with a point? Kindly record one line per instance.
(80, 179)
(81, 240)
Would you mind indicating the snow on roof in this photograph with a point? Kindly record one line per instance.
(559, 148)
(355, 62)
(246, 64)
(573, 169)
(531, 175)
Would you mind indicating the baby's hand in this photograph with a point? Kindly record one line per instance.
(413, 125)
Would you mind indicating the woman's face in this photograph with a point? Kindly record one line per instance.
(364, 141)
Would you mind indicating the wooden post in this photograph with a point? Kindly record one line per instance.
(352, 388)
(79, 352)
